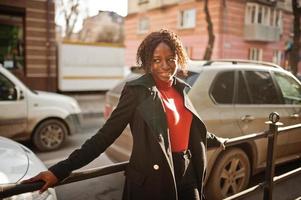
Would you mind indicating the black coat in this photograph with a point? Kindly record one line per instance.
(150, 173)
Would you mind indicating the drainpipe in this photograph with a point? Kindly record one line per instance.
(223, 25)
(48, 80)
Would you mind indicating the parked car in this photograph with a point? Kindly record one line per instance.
(44, 118)
(234, 98)
(19, 163)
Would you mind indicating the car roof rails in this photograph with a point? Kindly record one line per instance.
(137, 69)
(237, 61)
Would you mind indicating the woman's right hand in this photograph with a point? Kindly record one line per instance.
(47, 176)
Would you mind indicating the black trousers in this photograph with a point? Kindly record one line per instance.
(185, 176)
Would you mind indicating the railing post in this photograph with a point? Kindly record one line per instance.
(270, 167)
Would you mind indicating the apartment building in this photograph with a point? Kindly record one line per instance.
(27, 41)
(106, 26)
(243, 29)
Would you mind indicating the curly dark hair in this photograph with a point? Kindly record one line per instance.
(146, 49)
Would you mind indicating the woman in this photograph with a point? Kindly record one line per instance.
(168, 159)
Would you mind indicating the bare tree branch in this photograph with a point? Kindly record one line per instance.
(211, 37)
(294, 55)
(70, 10)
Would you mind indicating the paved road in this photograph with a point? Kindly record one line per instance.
(102, 188)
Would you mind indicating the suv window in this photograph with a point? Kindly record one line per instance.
(262, 88)
(7, 89)
(242, 91)
(290, 88)
(223, 87)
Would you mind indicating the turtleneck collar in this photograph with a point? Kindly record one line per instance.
(163, 85)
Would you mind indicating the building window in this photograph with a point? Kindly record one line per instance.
(255, 54)
(143, 25)
(277, 57)
(187, 18)
(12, 42)
(264, 15)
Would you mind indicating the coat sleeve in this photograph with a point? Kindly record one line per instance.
(105, 136)
(214, 142)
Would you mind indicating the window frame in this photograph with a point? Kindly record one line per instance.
(140, 20)
(214, 82)
(278, 86)
(255, 54)
(181, 22)
(13, 86)
(269, 15)
(278, 92)
(17, 12)
(277, 56)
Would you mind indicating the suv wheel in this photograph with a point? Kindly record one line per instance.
(49, 135)
(230, 174)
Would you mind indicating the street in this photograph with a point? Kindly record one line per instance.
(101, 188)
(230, 68)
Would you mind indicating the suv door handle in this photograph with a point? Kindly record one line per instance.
(247, 118)
(295, 115)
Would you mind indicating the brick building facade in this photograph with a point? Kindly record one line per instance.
(27, 41)
(251, 29)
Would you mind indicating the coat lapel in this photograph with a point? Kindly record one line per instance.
(152, 110)
(153, 113)
(189, 106)
(180, 86)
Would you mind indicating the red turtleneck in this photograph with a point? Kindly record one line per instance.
(178, 117)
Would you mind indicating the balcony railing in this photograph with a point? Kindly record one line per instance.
(263, 33)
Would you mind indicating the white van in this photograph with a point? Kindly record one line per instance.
(44, 118)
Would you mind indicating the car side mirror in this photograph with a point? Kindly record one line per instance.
(19, 93)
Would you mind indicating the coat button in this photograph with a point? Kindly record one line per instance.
(160, 138)
(156, 167)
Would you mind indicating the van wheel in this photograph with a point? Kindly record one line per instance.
(231, 174)
(49, 135)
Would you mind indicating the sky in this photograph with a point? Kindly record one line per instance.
(119, 6)
(93, 6)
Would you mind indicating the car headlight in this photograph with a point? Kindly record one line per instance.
(75, 107)
(31, 196)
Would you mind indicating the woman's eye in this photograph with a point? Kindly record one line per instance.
(172, 60)
(156, 61)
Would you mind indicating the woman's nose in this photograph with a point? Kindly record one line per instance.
(165, 65)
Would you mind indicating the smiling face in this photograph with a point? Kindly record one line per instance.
(164, 63)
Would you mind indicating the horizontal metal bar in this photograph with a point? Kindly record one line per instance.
(246, 192)
(276, 179)
(14, 189)
(289, 128)
(245, 138)
(285, 176)
(95, 172)
(255, 136)
(8, 190)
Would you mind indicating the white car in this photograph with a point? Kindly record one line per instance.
(19, 163)
(44, 118)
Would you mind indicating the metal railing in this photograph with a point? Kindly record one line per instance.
(8, 190)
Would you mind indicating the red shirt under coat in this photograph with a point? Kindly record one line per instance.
(178, 117)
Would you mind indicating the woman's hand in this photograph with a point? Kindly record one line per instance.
(47, 176)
